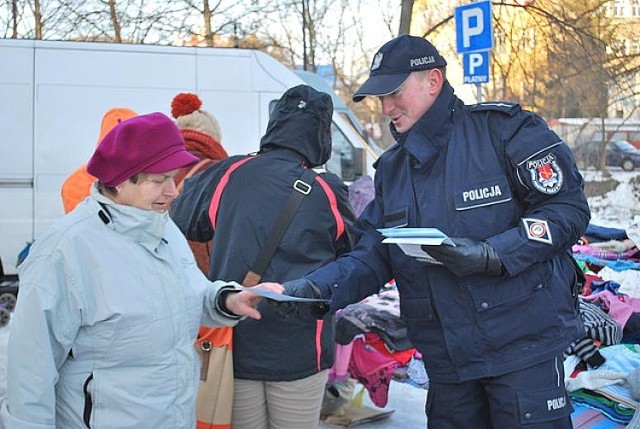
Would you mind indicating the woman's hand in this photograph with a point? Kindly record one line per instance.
(244, 303)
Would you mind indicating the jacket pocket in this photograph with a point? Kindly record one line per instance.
(88, 401)
(543, 405)
(499, 305)
(425, 332)
(414, 309)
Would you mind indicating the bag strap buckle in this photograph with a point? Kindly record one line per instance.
(302, 187)
(206, 346)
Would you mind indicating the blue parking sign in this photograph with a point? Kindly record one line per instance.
(476, 67)
(474, 30)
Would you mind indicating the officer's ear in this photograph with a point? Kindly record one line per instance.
(435, 80)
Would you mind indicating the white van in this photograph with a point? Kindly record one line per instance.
(53, 96)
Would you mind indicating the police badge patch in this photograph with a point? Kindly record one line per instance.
(537, 230)
(546, 175)
(377, 60)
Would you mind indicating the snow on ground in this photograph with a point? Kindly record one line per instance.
(620, 207)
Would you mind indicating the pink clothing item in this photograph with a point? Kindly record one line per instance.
(373, 370)
(619, 307)
(603, 254)
(340, 369)
(361, 193)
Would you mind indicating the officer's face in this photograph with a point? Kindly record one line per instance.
(412, 100)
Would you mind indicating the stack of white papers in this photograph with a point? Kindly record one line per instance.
(411, 240)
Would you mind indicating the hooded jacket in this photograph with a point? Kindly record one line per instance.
(489, 172)
(110, 304)
(298, 137)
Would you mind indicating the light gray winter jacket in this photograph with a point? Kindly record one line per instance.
(108, 312)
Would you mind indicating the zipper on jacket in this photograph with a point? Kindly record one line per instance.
(206, 357)
(88, 402)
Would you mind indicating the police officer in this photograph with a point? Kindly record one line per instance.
(493, 317)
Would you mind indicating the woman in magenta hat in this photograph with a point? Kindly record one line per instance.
(111, 299)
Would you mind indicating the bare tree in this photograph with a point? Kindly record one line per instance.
(405, 17)
(10, 18)
(115, 22)
(561, 58)
(548, 51)
(14, 20)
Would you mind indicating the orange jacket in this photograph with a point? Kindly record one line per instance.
(77, 186)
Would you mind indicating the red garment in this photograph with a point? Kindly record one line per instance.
(203, 145)
(586, 289)
(373, 370)
(402, 357)
(201, 251)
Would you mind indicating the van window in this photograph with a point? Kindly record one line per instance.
(343, 156)
(366, 142)
(620, 135)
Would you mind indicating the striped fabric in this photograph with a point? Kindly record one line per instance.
(598, 326)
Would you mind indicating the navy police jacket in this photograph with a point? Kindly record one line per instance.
(254, 189)
(487, 172)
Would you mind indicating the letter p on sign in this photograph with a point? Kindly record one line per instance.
(475, 62)
(474, 27)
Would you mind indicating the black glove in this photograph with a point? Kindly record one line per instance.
(301, 288)
(467, 257)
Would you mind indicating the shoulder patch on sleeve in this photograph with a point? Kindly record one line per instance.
(537, 230)
(546, 174)
(496, 106)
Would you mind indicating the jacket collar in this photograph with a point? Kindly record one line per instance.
(145, 227)
(431, 132)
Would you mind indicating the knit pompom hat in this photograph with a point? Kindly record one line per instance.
(199, 128)
(185, 108)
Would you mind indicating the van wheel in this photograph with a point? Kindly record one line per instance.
(8, 301)
(627, 165)
(5, 317)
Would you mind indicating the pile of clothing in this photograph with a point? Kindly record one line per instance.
(602, 369)
(371, 345)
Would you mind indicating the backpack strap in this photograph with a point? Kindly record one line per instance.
(301, 189)
(217, 194)
(333, 204)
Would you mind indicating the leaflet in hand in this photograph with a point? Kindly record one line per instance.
(411, 240)
(280, 297)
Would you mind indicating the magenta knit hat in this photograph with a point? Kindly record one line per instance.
(149, 143)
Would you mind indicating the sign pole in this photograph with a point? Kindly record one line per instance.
(479, 92)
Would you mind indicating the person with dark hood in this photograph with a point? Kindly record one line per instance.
(280, 364)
